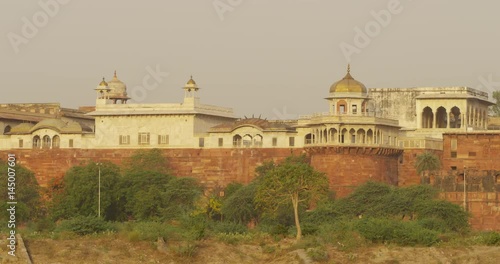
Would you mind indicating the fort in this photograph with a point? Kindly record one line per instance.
(366, 135)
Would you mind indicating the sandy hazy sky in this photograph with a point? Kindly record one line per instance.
(258, 57)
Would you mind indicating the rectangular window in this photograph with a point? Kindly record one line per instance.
(453, 154)
(221, 142)
(453, 144)
(201, 142)
(453, 167)
(275, 142)
(342, 109)
(472, 154)
(124, 139)
(354, 109)
(143, 139)
(291, 141)
(21, 143)
(163, 139)
(70, 143)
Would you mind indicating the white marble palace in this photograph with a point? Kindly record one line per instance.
(354, 115)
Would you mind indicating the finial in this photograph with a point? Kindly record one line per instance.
(191, 76)
(348, 67)
(103, 79)
(115, 74)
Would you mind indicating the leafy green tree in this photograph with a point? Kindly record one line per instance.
(79, 192)
(149, 192)
(27, 193)
(496, 107)
(427, 162)
(240, 206)
(293, 181)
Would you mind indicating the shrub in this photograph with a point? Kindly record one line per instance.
(433, 223)
(453, 215)
(228, 227)
(398, 232)
(84, 225)
(490, 238)
(317, 254)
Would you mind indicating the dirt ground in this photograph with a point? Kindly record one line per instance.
(113, 249)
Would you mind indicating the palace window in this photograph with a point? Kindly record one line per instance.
(354, 109)
(46, 142)
(201, 142)
(291, 141)
(221, 142)
(163, 139)
(70, 143)
(143, 139)
(56, 142)
(21, 143)
(124, 139)
(275, 142)
(453, 154)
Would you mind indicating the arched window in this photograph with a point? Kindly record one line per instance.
(6, 129)
(237, 141)
(257, 140)
(36, 142)
(308, 139)
(441, 117)
(455, 118)
(427, 118)
(46, 142)
(56, 142)
(247, 140)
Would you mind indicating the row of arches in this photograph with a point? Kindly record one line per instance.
(351, 136)
(46, 142)
(453, 118)
(247, 140)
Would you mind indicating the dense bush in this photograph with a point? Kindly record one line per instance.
(396, 231)
(453, 215)
(84, 225)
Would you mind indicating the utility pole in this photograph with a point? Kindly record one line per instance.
(99, 192)
(465, 189)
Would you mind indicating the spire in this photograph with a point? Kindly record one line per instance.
(348, 75)
(115, 75)
(348, 68)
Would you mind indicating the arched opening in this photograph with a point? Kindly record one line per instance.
(333, 135)
(441, 117)
(7, 129)
(341, 107)
(369, 136)
(36, 142)
(308, 139)
(46, 142)
(361, 134)
(247, 140)
(257, 140)
(363, 107)
(352, 135)
(56, 142)
(455, 117)
(237, 141)
(325, 136)
(343, 135)
(427, 118)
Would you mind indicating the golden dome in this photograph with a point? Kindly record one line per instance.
(191, 81)
(348, 84)
(191, 85)
(103, 82)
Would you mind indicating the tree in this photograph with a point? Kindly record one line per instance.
(496, 107)
(427, 161)
(26, 191)
(295, 181)
(79, 192)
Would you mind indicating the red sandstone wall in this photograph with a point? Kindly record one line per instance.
(348, 170)
(407, 175)
(213, 167)
(485, 146)
(484, 206)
